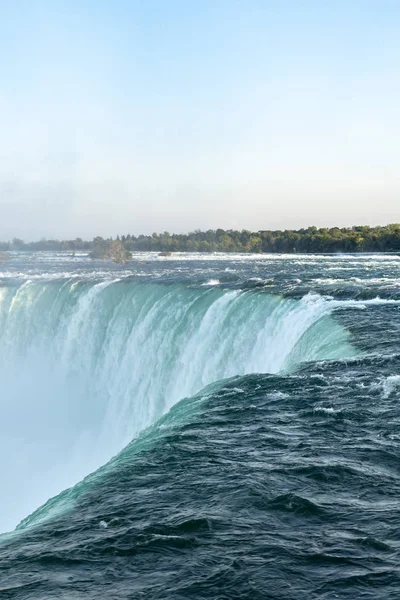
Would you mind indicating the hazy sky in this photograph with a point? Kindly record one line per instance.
(122, 116)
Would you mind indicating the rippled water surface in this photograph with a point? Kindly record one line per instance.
(189, 427)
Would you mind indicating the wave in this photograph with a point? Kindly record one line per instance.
(91, 364)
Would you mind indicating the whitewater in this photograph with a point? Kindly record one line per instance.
(125, 386)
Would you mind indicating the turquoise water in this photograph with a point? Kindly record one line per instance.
(200, 427)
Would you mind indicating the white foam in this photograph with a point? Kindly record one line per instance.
(390, 385)
(328, 410)
(211, 282)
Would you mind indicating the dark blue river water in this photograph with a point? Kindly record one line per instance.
(200, 427)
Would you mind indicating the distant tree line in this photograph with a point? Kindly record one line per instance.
(348, 239)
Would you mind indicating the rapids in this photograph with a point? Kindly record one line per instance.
(200, 426)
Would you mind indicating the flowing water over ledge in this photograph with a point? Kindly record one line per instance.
(251, 407)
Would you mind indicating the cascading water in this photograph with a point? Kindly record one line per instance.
(210, 447)
(90, 365)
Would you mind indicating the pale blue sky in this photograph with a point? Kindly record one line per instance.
(134, 116)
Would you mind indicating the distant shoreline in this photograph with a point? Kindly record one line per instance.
(216, 252)
(312, 240)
